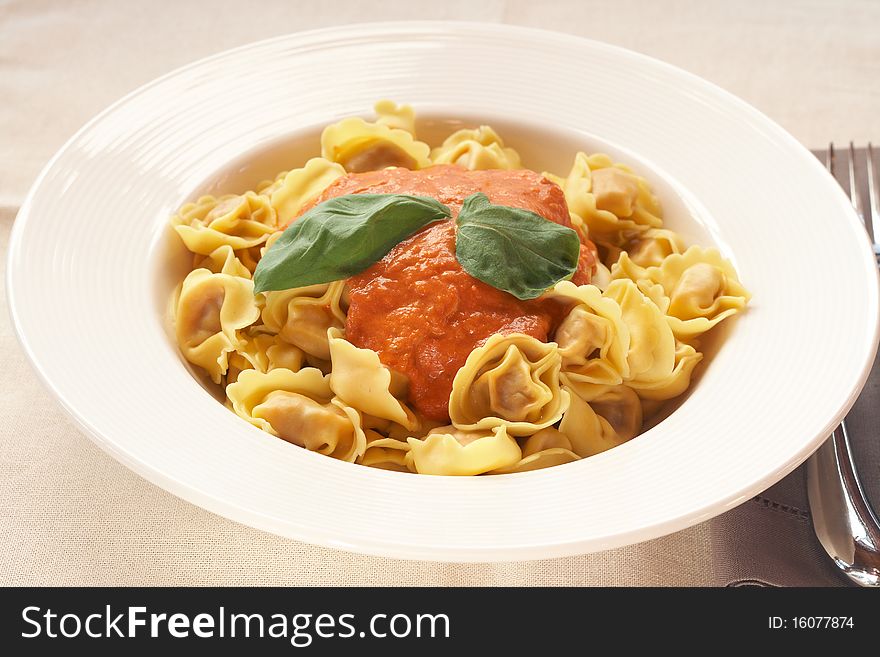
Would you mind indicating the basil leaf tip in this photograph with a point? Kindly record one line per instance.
(341, 237)
(513, 249)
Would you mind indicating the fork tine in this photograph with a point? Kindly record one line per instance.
(829, 158)
(854, 195)
(874, 198)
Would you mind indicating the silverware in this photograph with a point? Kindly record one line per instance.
(842, 516)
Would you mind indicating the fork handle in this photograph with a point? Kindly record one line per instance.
(834, 488)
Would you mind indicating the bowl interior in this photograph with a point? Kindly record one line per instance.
(543, 147)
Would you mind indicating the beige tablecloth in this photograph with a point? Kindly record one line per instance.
(69, 514)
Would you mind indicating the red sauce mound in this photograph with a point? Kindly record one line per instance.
(417, 308)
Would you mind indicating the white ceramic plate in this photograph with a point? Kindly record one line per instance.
(90, 269)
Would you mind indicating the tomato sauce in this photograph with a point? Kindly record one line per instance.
(417, 308)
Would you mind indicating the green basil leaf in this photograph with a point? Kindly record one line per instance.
(512, 249)
(341, 237)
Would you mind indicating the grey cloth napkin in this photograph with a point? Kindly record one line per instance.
(769, 540)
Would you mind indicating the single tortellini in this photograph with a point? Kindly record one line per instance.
(621, 408)
(588, 432)
(544, 449)
(651, 354)
(702, 288)
(302, 315)
(618, 190)
(296, 188)
(363, 382)
(696, 289)
(476, 149)
(511, 380)
(385, 453)
(615, 204)
(210, 309)
(451, 451)
(239, 221)
(263, 352)
(360, 145)
(593, 340)
(652, 246)
(222, 260)
(299, 407)
(686, 359)
(396, 117)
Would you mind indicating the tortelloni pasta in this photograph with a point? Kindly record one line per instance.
(593, 339)
(651, 354)
(518, 385)
(651, 247)
(385, 453)
(399, 117)
(302, 316)
(239, 221)
(476, 149)
(263, 352)
(702, 289)
(299, 407)
(678, 380)
(452, 451)
(222, 260)
(589, 433)
(614, 204)
(291, 191)
(511, 381)
(544, 449)
(360, 145)
(210, 310)
(359, 378)
(696, 289)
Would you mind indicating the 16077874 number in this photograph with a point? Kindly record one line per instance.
(810, 623)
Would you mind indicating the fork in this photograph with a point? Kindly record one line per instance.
(843, 520)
